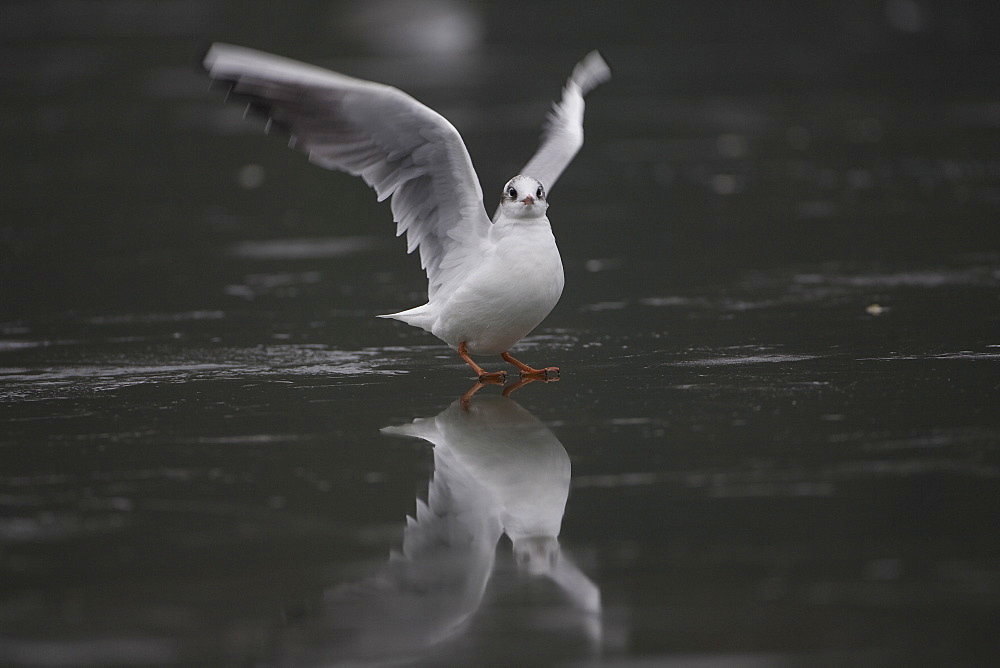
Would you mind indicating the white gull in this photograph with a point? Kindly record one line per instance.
(490, 283)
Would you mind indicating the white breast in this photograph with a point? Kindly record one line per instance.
(518, 283)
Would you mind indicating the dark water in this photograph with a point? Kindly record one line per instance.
(775, 439)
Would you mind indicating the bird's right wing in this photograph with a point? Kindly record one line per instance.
(563, 134)
(400, 147)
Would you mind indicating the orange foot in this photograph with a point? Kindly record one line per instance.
(495, 377)
(531, 372)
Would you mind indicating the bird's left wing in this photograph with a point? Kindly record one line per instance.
(400, 147)
(563, 134)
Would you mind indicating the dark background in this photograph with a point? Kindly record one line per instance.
(842, 131)
(780, 333)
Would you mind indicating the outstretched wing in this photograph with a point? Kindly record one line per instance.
(563, 135)
(400, 147)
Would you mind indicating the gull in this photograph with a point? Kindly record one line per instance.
(490, 281)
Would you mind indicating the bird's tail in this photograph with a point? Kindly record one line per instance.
(419, 316)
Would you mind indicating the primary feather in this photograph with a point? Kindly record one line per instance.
(401, 148)
(563, 134)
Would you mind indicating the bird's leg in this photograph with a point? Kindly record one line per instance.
(467, 397)
(531, 372)
(496, 377)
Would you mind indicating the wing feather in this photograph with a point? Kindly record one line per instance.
(563, 134)
(401, 148)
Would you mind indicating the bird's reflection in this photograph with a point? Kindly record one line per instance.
(497, 470)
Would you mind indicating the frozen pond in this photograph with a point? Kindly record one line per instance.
(775, 437)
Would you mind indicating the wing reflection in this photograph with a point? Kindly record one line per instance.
(497, 470)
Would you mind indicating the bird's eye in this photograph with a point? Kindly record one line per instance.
(512, 193)
(539, 194)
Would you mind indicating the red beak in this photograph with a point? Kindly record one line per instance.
(528, 200)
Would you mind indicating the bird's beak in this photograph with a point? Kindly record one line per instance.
(528, 200)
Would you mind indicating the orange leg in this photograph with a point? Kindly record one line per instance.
(467, 397)
(497, 377)
(531, 372)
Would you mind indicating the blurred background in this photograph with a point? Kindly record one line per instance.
(781, 331)
(734, 137)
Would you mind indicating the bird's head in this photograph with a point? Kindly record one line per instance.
(523, 197)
